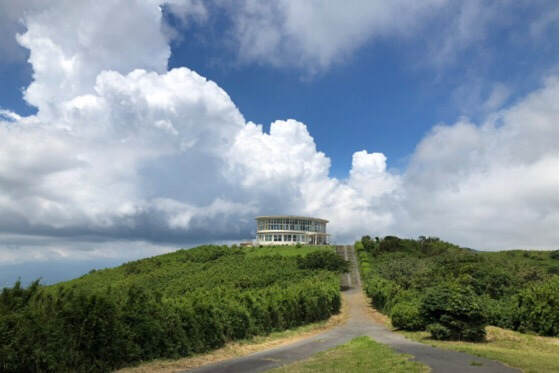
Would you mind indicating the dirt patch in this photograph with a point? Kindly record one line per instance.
(374, 314)
(242, 348)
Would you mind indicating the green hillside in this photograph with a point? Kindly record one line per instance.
(198, 270)
(171, 305)
(454, 292)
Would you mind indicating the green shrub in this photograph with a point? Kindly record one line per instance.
(369, 245)
(380, 291)
(208, 253)
(502, 312)
(327, 260)
(538, 308)
(390, 244)
(438, 331)
(406, 315)
(457, 309)
(359, 246)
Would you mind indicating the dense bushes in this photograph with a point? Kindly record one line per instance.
(453, 311)
(71, 327)
(501, 312)
(381, 292)
(514, 289)
(538, 308)
(406, 315)
(323, 260)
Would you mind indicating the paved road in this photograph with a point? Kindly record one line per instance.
(359, 323)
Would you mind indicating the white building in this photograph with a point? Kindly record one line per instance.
(291, 230)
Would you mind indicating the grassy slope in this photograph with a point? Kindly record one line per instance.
(359, 355)
(533, 354)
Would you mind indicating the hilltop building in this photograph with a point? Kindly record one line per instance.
(291, 230)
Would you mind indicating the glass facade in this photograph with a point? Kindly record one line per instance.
(273, 230)
(291, 224)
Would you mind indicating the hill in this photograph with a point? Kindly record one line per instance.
(429, 283)
(170, 305)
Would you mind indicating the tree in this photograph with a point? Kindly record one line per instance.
(453, 312)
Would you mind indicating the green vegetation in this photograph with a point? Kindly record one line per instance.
(532, 354)
(238, 348)
(454, 292)
(359, 355)
(168, 306)
(452, 311)
(286, 250)
(324, 260)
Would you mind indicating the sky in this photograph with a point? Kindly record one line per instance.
(133, 128)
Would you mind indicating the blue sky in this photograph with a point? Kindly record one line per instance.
(451, 102)
(386, 96)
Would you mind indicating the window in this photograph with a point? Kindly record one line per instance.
(287, 237)
(277, 237)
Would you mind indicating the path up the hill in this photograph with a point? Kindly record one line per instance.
(359, 323)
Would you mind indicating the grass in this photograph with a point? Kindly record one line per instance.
(359, 355)
(286, 250)
(532, 354)
(240, 348)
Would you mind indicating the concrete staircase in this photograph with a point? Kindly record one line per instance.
(351, 279)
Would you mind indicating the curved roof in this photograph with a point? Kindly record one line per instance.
(292, 217)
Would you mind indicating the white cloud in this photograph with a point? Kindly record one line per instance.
(122, 149)
(287, 153)
(490, 186)
(316, 34)
(285, 173)
(71, 42)
(477, 97)
(11, 14)
(368, 175)
(16, 249)
(497, 97)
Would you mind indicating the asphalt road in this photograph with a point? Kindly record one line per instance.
(359, 323)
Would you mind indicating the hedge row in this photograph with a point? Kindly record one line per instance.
(74, 330)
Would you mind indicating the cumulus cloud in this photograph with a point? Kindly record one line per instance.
(70, 44)
(493, 185)
(124, 150)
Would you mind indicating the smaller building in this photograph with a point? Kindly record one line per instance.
(291, 230)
